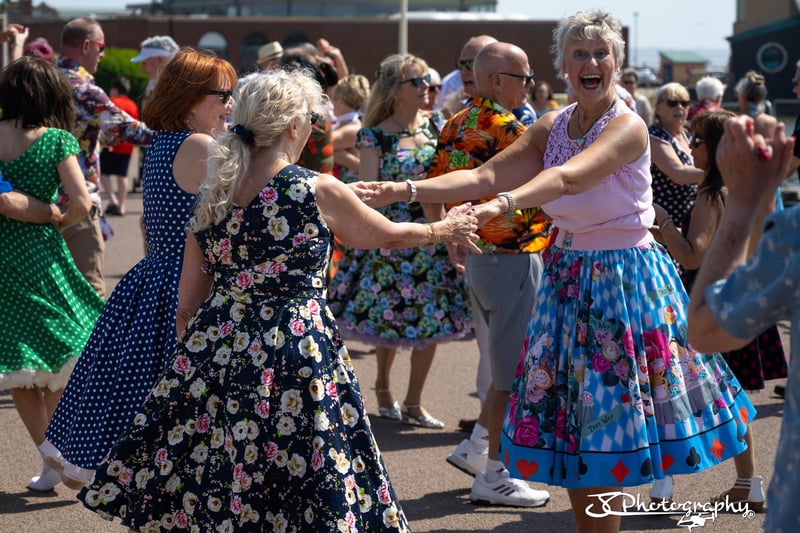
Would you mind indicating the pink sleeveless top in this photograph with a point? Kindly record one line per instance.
(614, 214)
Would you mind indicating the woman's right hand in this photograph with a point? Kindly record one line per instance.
(459, 227)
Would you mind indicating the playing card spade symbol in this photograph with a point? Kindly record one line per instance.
(693, 459)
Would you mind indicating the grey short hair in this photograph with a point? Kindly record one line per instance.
(709, 88)
(591, 24)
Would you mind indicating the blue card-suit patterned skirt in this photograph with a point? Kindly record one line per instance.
(608, 391)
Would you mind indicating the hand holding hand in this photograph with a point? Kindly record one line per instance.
(488, 210)
(379, 193)
(457, 255)
(459, 227)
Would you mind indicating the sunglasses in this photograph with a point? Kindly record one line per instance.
(418, 81)
(225, 95)
(527, 77)
(674, 103)
(100, 44)
(314, 117)
(434, 88)
(465, 63)
(628, 82)
(696, 141)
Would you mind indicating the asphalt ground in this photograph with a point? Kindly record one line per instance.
(435, 495)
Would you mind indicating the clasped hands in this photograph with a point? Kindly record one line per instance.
(382, 193)
(753, 156)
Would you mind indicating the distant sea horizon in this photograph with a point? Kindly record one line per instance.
(649, 57)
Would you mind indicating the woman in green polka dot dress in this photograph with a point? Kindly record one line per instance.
(47, 309)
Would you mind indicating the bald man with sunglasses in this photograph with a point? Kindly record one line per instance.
(502, 280)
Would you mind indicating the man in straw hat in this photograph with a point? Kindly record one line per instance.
(269, 55)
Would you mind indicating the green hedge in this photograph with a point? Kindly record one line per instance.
(117, 63)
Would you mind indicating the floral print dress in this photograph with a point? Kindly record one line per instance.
(257, 424)
(409, 297)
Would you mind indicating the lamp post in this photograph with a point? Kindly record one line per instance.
(402, 44)
(635, 38)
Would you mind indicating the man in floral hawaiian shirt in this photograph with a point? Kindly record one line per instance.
(82, 45)
(511, 245)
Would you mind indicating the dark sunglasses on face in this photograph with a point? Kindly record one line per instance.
(419, 80)
(434, 88)
(225, 95)
(696, 141)
(674, 103)
(628, 82)
(465, 63)
(527, 77)
(314, 117)
(101, 46)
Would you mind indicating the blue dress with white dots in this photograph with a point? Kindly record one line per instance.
(129, 346)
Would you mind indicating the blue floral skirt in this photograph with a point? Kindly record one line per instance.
(608, 391)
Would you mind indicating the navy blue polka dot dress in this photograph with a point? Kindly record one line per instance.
(136, 332)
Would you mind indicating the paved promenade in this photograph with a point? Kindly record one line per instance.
(434, 494)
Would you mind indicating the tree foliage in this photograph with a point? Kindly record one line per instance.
(117, 63)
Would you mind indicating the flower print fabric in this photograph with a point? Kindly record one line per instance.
(257, 424)
(609, 393)
(408, 297)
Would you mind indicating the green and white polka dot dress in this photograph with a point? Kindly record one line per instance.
(47, 308)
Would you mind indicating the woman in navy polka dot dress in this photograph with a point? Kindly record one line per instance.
(130, 343)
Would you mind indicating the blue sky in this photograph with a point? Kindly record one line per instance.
(677, 24)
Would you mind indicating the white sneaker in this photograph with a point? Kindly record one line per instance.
(45, 481)
(661, 490)
(506, 491)
(467, 460)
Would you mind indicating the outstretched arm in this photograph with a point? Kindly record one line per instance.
(512, 167)
(752, 167)
(362, 227)
(622, 141)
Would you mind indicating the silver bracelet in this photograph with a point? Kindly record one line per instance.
(510, 199)
(413, 187)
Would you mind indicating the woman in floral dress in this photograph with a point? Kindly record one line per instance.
(257, 424)
(410, 297)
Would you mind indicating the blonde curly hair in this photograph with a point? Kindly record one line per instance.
(266, 106)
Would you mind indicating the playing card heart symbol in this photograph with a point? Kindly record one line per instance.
(527, 468)
(666, 462)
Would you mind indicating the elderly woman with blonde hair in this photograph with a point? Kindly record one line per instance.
(257, 422)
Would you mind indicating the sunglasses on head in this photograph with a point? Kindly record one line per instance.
(696, 141)
(674, 103)
(527, 77)
(465, 63)
(225, 95)
(419, 80)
